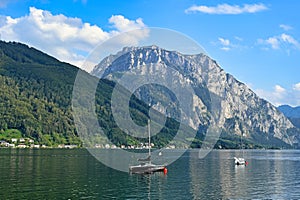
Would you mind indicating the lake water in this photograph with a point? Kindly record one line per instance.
(75, 174)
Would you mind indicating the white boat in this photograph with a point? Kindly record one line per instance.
(239, 161)
(146, 166)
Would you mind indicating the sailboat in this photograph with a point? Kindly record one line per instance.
(240, 160)
(146, 166)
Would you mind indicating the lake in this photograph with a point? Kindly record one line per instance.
(75, 174)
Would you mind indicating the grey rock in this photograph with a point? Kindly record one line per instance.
(234, 107)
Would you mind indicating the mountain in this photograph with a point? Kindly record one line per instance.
(289, 111)
(293, 113)
(240, 110)
(36, 97)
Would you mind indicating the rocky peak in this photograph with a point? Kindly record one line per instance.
(241, 112)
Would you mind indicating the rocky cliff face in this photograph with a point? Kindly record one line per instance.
(240, 110)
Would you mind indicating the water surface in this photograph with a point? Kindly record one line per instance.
(75, 174)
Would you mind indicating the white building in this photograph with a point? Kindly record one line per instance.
(21, 146)
(21, 140)
(14, 140)
(11, 145)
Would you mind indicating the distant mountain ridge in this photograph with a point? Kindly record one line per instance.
(289, 111)
(242, 110)
(293, 113)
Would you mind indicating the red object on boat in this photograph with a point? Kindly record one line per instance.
(165, 170)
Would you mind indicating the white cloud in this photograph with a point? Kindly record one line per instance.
(289, 39)
(238, 38)
(274, 42)
(280, 96)
(279, 90)
(227, 45)
(227, 9)
(285, 27)
(283, 40)
(123, 24)
(225, 48)
(224, 42)
(296, 87)
(66, 38)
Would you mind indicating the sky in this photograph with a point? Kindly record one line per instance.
(258, 42)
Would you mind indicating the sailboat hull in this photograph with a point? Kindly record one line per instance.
(146, 169)
(239, 161)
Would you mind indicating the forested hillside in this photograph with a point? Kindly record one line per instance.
(36, 95)
(35, 100)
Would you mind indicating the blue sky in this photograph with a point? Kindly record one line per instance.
(256, 41)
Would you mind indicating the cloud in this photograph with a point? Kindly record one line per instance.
(285, 27)
(283, 40)
(225, 48)
(238, 38)
(66, 38)
(290, 40)
(227, 9)
(224, 42)
(296, 87)
(274, 42)
(123, 24)
(278, 90)
(280, 95)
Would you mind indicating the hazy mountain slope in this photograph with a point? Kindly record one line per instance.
(293, 113)
(289, 111)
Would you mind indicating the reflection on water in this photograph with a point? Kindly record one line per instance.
(75, 174)
(270, 174)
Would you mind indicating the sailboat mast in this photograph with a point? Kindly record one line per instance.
(242, 144)
(149, 137)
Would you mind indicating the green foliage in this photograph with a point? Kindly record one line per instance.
(21, 53)
(36, 94)
(10, 133)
